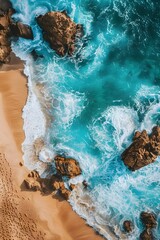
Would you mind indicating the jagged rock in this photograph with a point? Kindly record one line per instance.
(146, 235)
(8, 29)
(67, 166)
(148, 219)
(128, 226)
(32, 184)
(19, 29)
(144, 149)
(57, 182)
(60, 31)
(65, 193)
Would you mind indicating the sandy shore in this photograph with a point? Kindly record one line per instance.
(27, 215)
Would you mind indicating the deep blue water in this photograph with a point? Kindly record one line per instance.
(100, 96)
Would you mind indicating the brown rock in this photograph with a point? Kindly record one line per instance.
(128, 226)
(148, 220)
(32, 184)
(144, 149)
(72, 186)
(34, 174)
(19, 29)
(20, 164)
(60, 31)
(146, 235)
(67, 166)
(65, 193)
(57, 182)
(8, 29)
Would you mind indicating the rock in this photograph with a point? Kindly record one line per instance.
(128, 226)
(148, 220)
(67, 166)
(9, 29)
(85, 184)
(19, 29)
(144, 149)
(34, 174)
(20, 164)
(60, 31)
(72, 186)
(146, 235)
(32, 184)
(65, 193)
(57, 183)
(5, 48)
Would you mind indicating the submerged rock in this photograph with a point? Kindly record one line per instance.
(60, 31)
(67, 167)
(148, 219)
(146, 235)
(144, 149)
(128, 226)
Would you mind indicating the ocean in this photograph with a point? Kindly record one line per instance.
(96, 100)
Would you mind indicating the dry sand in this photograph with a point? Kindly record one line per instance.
(27, 215)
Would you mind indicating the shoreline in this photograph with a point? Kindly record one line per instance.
(46, 226)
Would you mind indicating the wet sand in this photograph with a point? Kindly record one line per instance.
(23, 214)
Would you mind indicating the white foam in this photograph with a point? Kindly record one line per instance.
(34, 128)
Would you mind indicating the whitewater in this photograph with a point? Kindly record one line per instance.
(95, 101)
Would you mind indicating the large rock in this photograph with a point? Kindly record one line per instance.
(8, 29)
(5, 48)
(60, 31)
(67, 166)
(144, 149)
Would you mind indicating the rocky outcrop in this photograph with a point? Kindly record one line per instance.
(149, 221)
(5, 48)
(35, 183)
(144, 149)
(67, 167)
(19, 29)
(9, 29)
(60, 31)
(127, 226)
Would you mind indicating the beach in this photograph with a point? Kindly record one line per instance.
(25, 214)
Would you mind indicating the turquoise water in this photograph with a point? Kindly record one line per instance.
(99, 97)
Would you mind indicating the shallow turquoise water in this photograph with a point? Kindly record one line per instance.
(100, 96)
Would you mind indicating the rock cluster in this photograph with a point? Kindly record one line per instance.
(8, 29)
(60, 31)
(149, 222)
(67, 166)
(144, 149)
